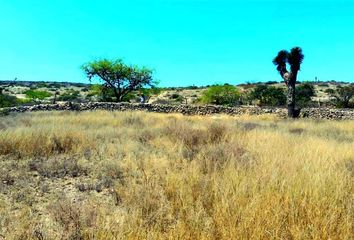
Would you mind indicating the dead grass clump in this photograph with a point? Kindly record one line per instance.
(63, 144)
(349, 166)
(217, 132)
(193, 139)
(75, 220)
(146, 135)
(2, 126)
(336, 134)
(148, 204)
(248, 126)
(57, 167)
(215, 157)
(27, 143)
(132, 119)
(297, 131)
(110, 174)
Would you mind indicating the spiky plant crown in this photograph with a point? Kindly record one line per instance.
(294, 58)
(281, 59)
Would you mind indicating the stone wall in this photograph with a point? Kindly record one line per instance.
(316, 113)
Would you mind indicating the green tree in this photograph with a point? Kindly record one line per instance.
(294, 58)
(268, 95)
(303, 94)
(343, 96)
(221, 95)
(118, 77)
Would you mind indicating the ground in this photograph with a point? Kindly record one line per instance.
(135, 175)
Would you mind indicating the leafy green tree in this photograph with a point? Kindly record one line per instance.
(343, 96)
(118, 77)
(221, 95)
(294, 58)
(303, 94)
(36, 94)
(268, 95)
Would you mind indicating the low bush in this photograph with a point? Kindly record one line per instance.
(69, 96)
(8, 101)
(221, 95)
(268, 95)
(37, 95)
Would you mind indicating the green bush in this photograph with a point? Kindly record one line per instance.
(303, 94)
(148, 92)
(220, 95)
(70, 95)
(268, 95)
(330, 91)
(36, 94)
(343, 96)
(8, 101)
(176, 97)
(95, 90)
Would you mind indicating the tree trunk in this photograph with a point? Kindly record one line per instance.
(117, 95)
(292, 113)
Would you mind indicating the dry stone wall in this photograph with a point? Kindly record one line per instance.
(316, 113)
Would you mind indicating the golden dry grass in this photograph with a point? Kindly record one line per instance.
(113, 175)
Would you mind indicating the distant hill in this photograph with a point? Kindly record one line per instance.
(168, 95)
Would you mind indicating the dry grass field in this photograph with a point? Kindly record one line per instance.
(123, 175)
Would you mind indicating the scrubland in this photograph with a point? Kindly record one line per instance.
(134, 175)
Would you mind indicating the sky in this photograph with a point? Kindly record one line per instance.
(186, 42)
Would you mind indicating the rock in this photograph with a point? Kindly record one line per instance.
(315, 113)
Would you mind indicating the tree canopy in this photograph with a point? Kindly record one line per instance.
(119, 77)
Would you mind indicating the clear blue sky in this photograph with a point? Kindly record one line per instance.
(186, 41)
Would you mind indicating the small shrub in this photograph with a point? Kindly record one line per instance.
(330, 91)
(303, 94)
(8, 101)
(132, 119)
(57, 167)
(36, 94)
(70, 95)
(297, 131)
(217, 132)
(268, 95)
(248, 126)
(74, 218)
(343, 96)
(215, 157)
(221, 95)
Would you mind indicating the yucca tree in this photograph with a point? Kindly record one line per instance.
(294, 59)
